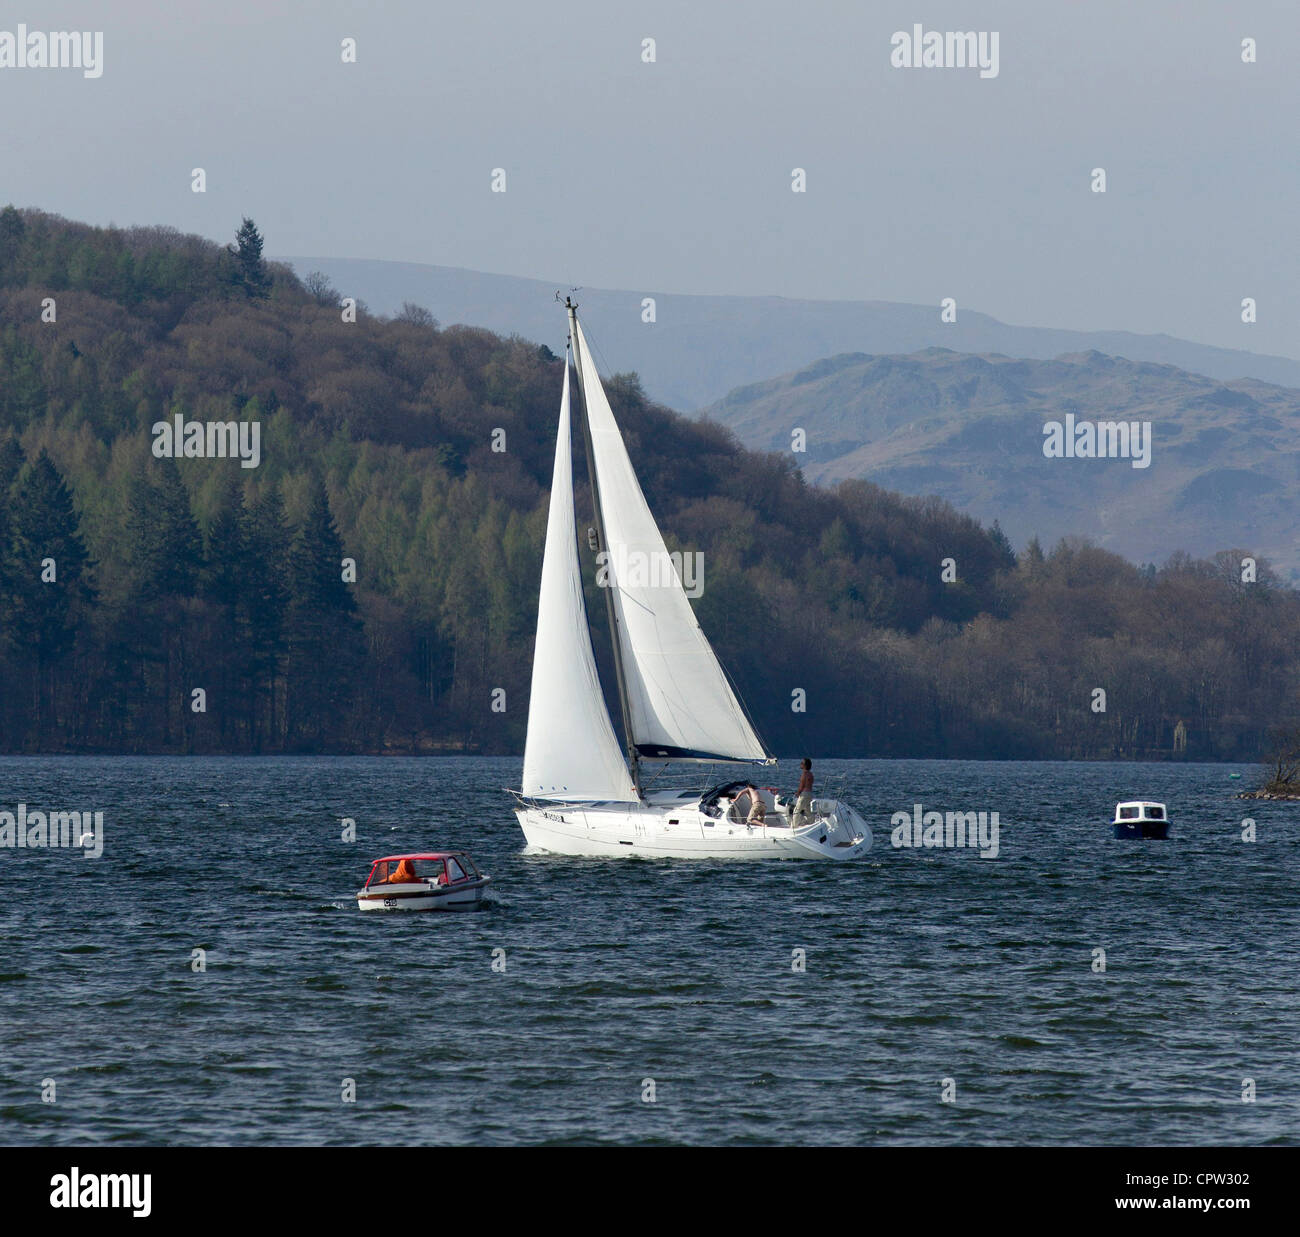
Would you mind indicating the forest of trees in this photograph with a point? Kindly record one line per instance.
(194, 605)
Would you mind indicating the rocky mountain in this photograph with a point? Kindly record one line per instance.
(1223, 470)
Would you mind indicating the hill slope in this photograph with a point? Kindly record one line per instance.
(371, 584)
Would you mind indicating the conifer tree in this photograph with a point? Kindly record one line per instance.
(250, 269)
(220, 589)
(167, 544)
(263, 600)
(1002, 543)
(12, 460)
(12, 229)
(167, 562)
(11, 464)
(324, 632)
(49, 588)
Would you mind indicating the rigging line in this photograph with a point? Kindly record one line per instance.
(598, 355)
(740, 700)
(663, 769)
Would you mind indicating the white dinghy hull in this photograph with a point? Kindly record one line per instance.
(423, 896)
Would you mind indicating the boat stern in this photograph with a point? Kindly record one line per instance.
(838, 832)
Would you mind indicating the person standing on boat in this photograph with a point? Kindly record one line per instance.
(802, 812)
(757, 812)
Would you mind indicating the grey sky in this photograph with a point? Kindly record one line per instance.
(675, 176)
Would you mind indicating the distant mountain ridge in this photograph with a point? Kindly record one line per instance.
(701, 347)
(1225, 460)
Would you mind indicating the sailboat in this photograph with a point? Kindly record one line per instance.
(583, 793)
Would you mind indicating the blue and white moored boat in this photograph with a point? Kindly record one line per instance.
(1141, 819)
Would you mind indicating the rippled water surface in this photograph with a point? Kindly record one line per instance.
(921, 966)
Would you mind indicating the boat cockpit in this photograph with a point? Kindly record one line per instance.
(405, 870)
(743, 803)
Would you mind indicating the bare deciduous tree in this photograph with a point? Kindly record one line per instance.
(1283, 761)
(416, 314)
(320, 289)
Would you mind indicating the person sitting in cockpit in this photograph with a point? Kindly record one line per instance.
(404, 875)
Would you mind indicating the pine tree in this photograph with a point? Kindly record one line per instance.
(167, 564)
(263, 601)
(49, 587)
(12, 230)
(326, 648)
(44, 526)
(223, 554)
(167, 544)
(1002, 543)
(220, 589)
(12, 460)
(11, 464)
(250, 269)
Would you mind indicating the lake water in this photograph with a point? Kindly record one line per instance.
(921, 966)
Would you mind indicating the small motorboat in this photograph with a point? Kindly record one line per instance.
(1141, 819)
(439, 881)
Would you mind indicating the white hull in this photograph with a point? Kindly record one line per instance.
(658, 831)
(421, 896)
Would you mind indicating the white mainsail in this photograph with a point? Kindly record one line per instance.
(571, 752)
(678, 699)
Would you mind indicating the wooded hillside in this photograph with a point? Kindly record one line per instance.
(376, 444)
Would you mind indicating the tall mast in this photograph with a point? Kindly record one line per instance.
(633, 760)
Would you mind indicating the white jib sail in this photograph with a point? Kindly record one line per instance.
(571, 751)
(678, 696)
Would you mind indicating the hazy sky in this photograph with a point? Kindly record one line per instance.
(675, 176)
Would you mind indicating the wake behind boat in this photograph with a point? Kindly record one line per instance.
(582, 794)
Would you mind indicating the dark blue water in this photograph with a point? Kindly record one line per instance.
(921, 966)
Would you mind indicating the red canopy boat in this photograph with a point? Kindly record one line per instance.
(434, 881)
